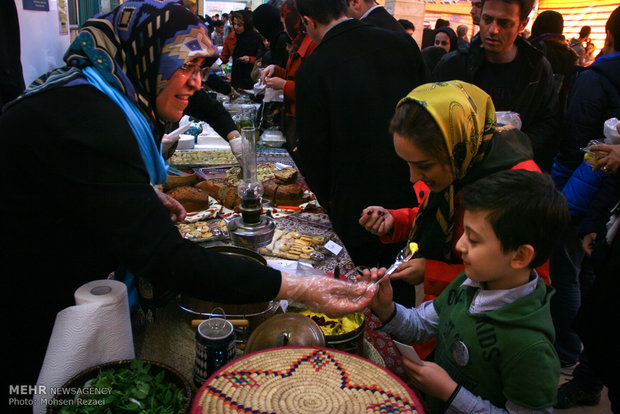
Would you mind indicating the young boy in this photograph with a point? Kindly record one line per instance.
(218, 34)
(493, 325)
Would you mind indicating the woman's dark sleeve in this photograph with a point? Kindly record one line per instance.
(134, 226)
(206, 108)
(279, 53)
(604, 200)
(218, 84)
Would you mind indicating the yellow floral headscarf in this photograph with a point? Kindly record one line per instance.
(465, 115)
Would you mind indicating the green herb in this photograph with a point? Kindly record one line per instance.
(130, 389)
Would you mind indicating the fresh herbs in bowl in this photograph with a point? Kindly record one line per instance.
(130, 386)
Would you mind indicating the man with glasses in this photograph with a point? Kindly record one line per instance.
(515, 74)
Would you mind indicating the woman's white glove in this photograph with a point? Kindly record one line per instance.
(325, 294)
(167, 142)
(236, 146)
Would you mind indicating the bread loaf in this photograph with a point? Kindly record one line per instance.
(284, 195)
(224, 193)
(191, 198)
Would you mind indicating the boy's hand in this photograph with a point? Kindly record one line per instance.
(377, 220)
(411, 272)
(430, 378)
(382, 303)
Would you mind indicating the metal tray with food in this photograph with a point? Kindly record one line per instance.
(204, 230)
(203, 158)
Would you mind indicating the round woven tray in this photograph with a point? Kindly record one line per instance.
(300, 380)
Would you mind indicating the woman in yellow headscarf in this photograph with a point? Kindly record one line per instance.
(447, 133)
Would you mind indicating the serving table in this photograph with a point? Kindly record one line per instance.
(170, 338)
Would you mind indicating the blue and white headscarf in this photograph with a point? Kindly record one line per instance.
(130, 54)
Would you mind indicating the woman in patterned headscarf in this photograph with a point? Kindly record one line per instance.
(447, 134)
(78, 201)
(279, 78)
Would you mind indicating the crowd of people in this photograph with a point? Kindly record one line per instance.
(516, 221)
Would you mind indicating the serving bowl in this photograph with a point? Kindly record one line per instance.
(67, 397)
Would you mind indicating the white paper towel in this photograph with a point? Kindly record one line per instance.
(94, 331)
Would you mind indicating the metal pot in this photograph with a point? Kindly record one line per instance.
(286, 329)
(246, 316)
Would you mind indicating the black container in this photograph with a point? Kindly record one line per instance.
(215, 347)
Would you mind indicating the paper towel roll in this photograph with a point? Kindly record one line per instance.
(94, 331)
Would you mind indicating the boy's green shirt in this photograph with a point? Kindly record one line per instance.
(508, 352)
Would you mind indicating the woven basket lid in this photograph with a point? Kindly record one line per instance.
(300, 380)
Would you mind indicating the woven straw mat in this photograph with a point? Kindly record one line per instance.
(300, 380)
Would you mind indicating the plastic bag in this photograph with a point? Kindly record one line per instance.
(508, 118)
(610, 130)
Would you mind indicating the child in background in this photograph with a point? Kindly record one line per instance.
(492, 323)
(218, 34)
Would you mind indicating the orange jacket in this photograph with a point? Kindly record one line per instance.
(294, 61)
(229, 48)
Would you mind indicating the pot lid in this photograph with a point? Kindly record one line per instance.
(285, 329)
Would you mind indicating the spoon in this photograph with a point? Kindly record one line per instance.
(403, 256)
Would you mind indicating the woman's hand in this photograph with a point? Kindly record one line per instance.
(244, 59)
(611, 162)
(377, 220)
(176, 210)
(325, 294)
(267, 73)
(430, 378)
(411, 272)
(275, 83)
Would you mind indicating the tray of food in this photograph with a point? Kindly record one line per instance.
(204, 230)
(202, 158)
(295, 245)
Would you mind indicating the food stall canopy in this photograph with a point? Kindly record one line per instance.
(579, 13)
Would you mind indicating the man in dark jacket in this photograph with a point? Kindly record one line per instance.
(371, 12)
(517, 76)
(346, 153)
